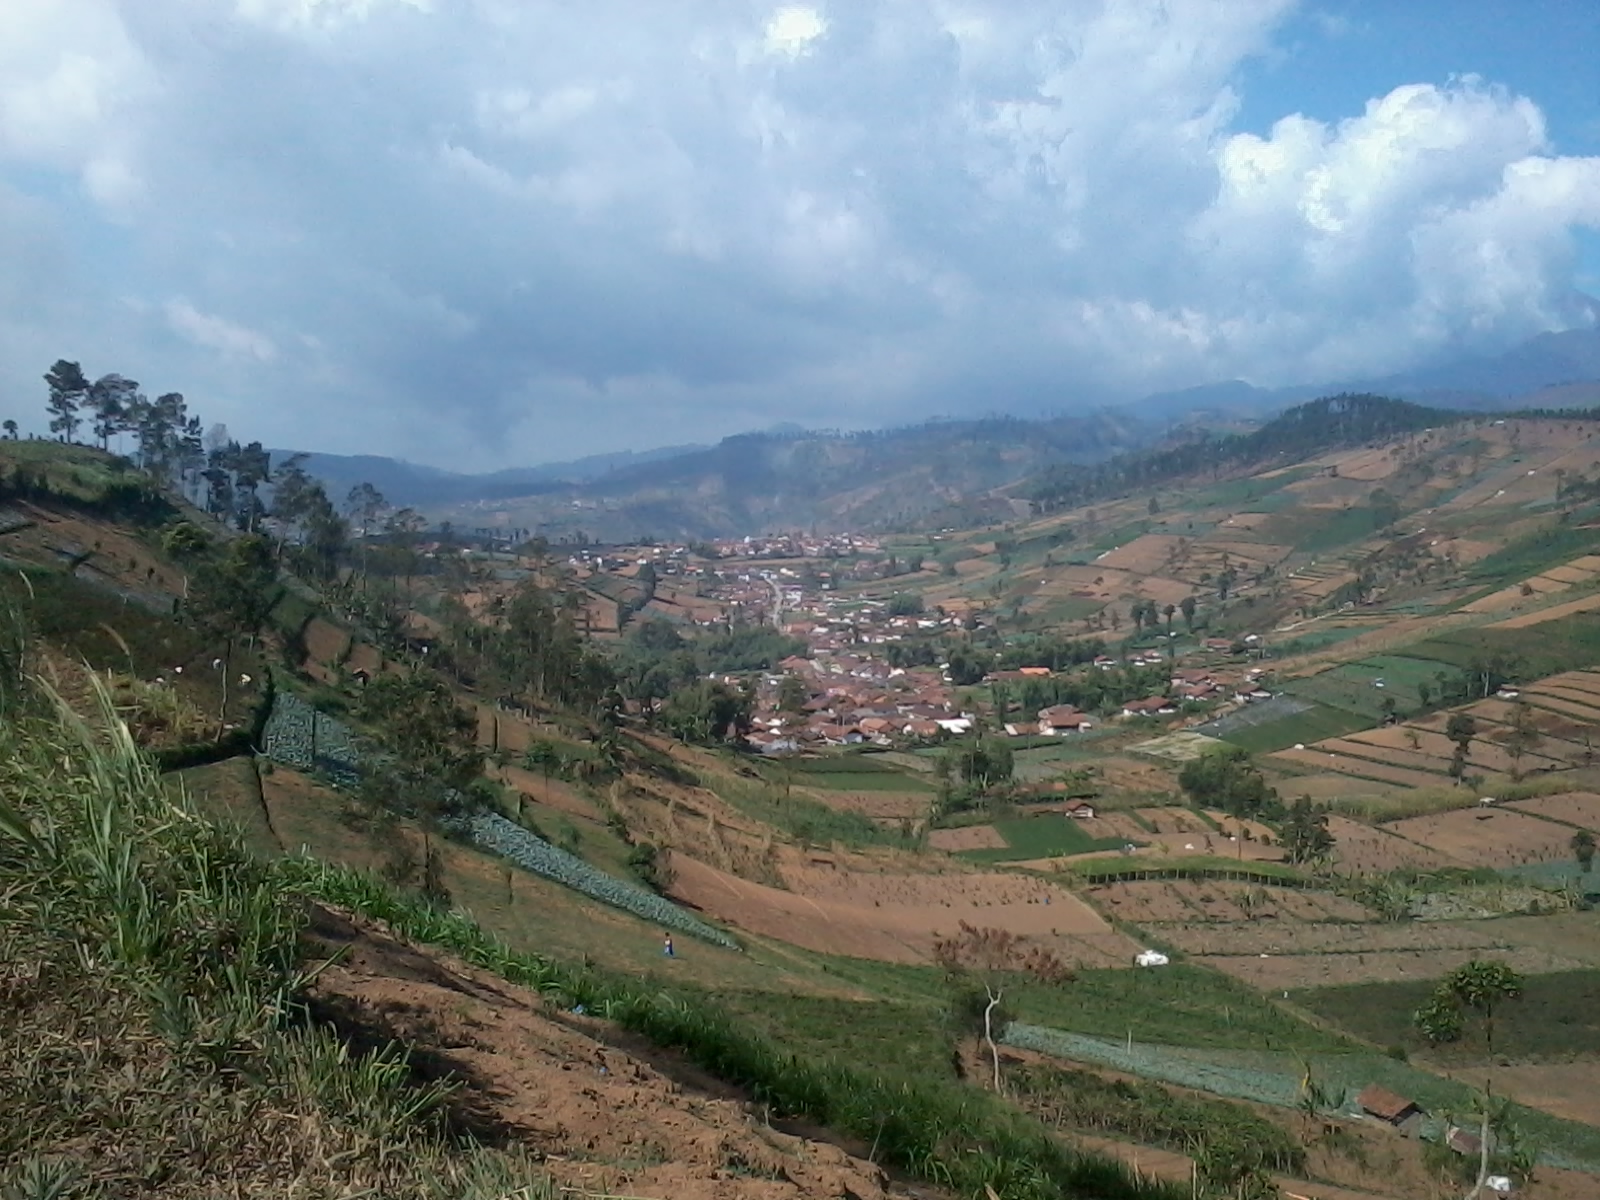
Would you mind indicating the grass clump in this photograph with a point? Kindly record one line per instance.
(1071, 1098)
(153, 1035)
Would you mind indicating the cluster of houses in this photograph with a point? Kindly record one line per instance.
(795, 545)
(851, 700)
(1188, 685)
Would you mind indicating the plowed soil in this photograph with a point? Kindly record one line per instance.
(973, 837)
(1489, 837)
(1366, 850)
(898, 917)
(1289, 971)
(606, 1114)
(1574, 808)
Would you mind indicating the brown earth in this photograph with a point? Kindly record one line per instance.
(1341, 764)
(1289, 971)
(552, 793)
(1343, 939)
(1574, 808)
(1175, 820)
(1561, 1089)
(325, 642)
(973, 837)
(1489, 837)
(1366, 849)
(606, 1113)
(898, 917)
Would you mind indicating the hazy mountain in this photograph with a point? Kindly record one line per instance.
(1481, 382)
(794, 480)
(422, 486)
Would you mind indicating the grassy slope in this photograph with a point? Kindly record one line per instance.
(1557, 1016)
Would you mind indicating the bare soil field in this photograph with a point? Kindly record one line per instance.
(1147, 555)
(1573, 808)
(1487, 754)
(325, 642)
(1175, 820)
(1332, 788)
(1124, 774)
(1347, 938)
(1489, 837)
(1588, 713)
(1367, 850)
(1286, 972)
(1572, 934)
(1115, 825)
(551, 793)
(55, 537)
(1583, 681)
(1566, 691)
(1220, 905)
(880, 806)
(973, 837)
(1380, 462)
(1255, 554)
(1341, 764)
(897, 918)
(1399, 756)
(606, 1114)
(1561, 1089)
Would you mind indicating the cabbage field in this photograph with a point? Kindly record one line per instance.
(299, 736)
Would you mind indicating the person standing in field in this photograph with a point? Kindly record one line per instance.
(666, 946)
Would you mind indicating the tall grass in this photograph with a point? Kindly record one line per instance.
(157, 1032)
(153, 1038)
(1425, 802)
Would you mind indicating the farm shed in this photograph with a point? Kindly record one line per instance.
(1081, 810)
(1405, 1115)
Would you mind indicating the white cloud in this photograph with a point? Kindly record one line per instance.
(216, 333)
(319, 14)
(792, 30)
(489, 212)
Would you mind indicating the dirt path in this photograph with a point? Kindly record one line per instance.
(607, 1114)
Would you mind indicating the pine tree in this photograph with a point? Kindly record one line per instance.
(68, 388)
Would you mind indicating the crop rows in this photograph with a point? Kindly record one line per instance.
(299, 736)
(533, 853)
(1156, 1062)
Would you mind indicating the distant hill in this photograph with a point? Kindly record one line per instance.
(802, 480)
(1512, 379)
(421, 486)
(1304, 431)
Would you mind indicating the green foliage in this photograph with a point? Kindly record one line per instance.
(1227, 778)
(707, 712)
(656, 659)
(163, 991)
(905, 604)
(650, 866)
(982, 761)
(1147, 1113)
(808, 821)
(1556, 1018)
(1305, 833)
(1042, 836)
(1583, 847)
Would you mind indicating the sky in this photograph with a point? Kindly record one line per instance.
(489, 233)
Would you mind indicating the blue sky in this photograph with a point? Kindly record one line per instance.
(480, 233)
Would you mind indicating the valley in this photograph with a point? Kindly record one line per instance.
(1203, 778)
